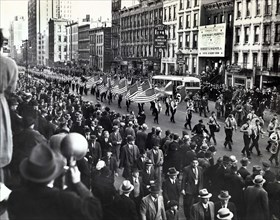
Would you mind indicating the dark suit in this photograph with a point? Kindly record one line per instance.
(273, 190)
(148, 211)
(141, 137)
(44, 203)
(114, 138)
(146, 179)
(256, 201)
(126, 208)
(230, 206)
(171, 215)
(198, 213)
(191, 190)
(111, 163)
(243, 172)
(170, 191)
(128, 159)
(269, 176)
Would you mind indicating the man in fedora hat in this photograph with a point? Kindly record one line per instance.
(148, 174)
(125, 206)
(243, 171)
(256, 200)
(35, 200)
(152, 207)
(192, 182)
(204, 209)
(225, 203)
(225, 214)
(273, 190)
(116, 139)
(171, 187)
(172, 210)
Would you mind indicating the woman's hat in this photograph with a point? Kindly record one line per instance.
(259, 179)
(126, 186)
(172, 171)
(203, 193)
(41, 166)
(224, 214)
(224, 195)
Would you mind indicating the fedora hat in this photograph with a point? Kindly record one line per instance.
(259, 179)
(244, 161)
(203, 193)
(41, 166)
(172, 171)
(224, 214)
(126, 186)
(155, 188)
(224, 195)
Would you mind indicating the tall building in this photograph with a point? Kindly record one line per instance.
(39, 14)
(168, 60)
(115, 42)
(83, 44)
(18, 33)
(100, 48)
(256, 44)
(57, 52)
(72, 41)
(138, 25)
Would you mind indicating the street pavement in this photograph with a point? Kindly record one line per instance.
(178, 127)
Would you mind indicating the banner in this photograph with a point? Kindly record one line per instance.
(212, 40)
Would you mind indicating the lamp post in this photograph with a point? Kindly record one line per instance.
(180, 61)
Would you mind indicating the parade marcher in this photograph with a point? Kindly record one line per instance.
(120, 100)
(200, 129)
(247, 132)
(256, 200)
(152, 206)
(189, 117)
(8, 83)
(219, 106)
(203, 106)
(213, 127)
(228, 109)
(271, 128)
(204, 209)
(256, 132)
(39, 171)
(275, 139)
(173, 108)
(128, 157)
(224, 202)
(156, 110)
(192, 183)
(167, 105)
(230, 125)
(252, 115)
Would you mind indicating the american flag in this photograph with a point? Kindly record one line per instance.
(146, 96)
(93, 81)
(137, 88)
(120, 87)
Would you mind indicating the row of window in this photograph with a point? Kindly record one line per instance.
(255, 58)
(188, 40)
(59, 38)
(187, 4)
(220, 18)
(141, 19)
(188, 21)
(170, 13)
(257, 5)
(256, 34)
(133, 36)
(139, 51)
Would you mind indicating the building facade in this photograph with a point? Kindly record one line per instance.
(256, 44)
(116, 7)
(170, 15)
(100, 49)
(72, 41)
(83, 44)
(57, 52)
(213, 67)
(138, 24)
(18, 33)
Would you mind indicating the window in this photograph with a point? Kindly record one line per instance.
(235, 58)
(188, 21)
(277, 6)
(256, 34)
(195, 3)
(266, 37)
(187, 42)
(188, 4)
(181, 4)
(180, 45)
(181, 22)
(275, 64)
(215, 19)
(174, 31)
(194, 40)
(229, 20)
(245, 60)
(255, 59)
(265, 59)
(169, 14)
(59, 38)
(194, 65)
(168, 32)
(246, 35)
(267, 7)
(195, 16)
(165, 14)
(168, 50)
(248, 8)
(174, 12)
(208, 20)
(222, 18)
(258, 7)
(238, 10)
(59, 49)
(173, 51)
(237, 35)
(277, 33)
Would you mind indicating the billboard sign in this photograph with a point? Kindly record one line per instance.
(160, 40)
(212, 40)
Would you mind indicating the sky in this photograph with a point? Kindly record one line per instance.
(96, 8)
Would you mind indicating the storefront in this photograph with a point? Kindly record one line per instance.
(236, 76)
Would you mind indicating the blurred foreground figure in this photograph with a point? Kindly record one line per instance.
(8, 81)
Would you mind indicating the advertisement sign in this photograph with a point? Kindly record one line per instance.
(212, 40)
(160, 40)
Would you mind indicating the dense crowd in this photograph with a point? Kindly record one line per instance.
(48, 182)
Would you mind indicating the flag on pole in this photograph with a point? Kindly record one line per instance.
(120, 87)
(146, 96)
(133, 91)
(146, 85)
